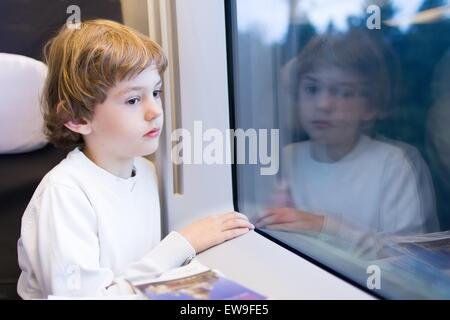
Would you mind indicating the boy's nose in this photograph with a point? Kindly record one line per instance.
(325, 101)
(152, 110)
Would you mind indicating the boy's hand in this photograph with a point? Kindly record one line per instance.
(290, 219)
(215, 229)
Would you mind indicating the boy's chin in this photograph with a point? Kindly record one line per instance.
(320, 138)
(150, 149)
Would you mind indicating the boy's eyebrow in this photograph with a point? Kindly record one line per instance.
(343, 83)
(309, 78)
(136, 88)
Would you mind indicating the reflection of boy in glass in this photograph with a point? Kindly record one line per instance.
(340, 176)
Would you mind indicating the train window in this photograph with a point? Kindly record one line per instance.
(343, 109)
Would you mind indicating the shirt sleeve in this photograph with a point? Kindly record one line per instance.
(407, 200)
(173, 251)
(59, 236)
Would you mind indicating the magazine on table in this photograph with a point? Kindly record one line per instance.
(193, 282)
(432, 248)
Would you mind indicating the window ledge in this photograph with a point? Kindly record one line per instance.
(271, 270)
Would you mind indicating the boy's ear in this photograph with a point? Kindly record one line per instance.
(79, 126)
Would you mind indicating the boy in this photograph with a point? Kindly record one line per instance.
(94, 219)
(341, 182)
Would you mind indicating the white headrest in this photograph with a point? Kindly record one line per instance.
(21, 122)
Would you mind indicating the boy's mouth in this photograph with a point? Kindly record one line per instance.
(153, 133)
(321, 124)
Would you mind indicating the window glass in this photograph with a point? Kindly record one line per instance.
(344, 109)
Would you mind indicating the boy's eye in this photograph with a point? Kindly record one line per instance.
(311, 89)
(133, 101)
(157, 93)
(345, 93)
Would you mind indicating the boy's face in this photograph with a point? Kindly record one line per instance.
(129, 122)
(333, 104)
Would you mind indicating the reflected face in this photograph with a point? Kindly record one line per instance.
(129, 122)
(333, 105)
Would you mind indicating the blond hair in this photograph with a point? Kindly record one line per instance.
(83, 64)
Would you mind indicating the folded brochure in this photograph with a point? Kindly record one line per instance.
(194, 282)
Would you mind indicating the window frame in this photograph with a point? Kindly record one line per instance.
(181, 31)
(231, 31)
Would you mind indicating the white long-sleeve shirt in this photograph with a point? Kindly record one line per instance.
(85, 230)
(378, 188)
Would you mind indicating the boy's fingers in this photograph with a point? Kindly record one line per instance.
(280, 210)
(241, 215)
(233, 233)
(273, 218)
(234, 215)
(265, 214)
(281, 226)
(274, 215)
(237, 223)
